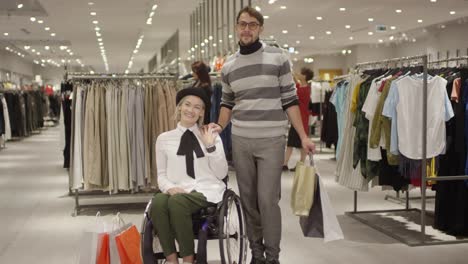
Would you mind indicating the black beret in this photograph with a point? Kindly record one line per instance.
(199, 92)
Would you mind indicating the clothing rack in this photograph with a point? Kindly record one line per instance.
(320, 107)
(423, 59)
(140, 198)
(456, 59)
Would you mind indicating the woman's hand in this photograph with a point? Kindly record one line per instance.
(208, 136)
(175, 190)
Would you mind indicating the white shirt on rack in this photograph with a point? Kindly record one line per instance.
(209, 170)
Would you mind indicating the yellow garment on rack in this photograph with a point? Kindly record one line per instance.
(431, 171)
(354, 99)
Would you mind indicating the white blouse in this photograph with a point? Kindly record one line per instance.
(209, 170)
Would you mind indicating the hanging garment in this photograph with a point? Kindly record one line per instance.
(6, 117)
(77, 162)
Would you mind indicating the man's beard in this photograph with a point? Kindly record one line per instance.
(249, 43)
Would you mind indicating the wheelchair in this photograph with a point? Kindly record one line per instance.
(224, 222)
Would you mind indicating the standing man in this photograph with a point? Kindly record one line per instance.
(258, 92)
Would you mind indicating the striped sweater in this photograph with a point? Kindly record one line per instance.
(258, 88)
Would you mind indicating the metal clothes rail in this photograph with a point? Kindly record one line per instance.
(423, 59)
(81, 75)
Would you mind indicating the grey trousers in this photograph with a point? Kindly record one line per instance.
(258, 163)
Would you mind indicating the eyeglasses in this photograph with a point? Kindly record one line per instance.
(251, 25)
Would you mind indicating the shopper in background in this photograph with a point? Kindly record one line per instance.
(303, 94)
(188, 181)
(202, 79)
(258, 91)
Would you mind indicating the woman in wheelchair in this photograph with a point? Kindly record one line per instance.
(191, 165)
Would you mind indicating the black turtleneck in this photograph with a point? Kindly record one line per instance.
(249, 49)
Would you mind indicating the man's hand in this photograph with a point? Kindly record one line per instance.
(308, 145)
(175, 190)
(216, 128)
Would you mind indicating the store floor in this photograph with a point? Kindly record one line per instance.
(38, 227)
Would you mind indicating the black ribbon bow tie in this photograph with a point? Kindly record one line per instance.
(189, 144)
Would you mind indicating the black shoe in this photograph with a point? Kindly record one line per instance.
(258, 261)
(285, 168)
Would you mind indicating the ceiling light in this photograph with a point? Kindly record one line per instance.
(202, 44)
(40, 21)
(97, 28)
(98, 34)
(214, 45)
(285, 32)
(342, 9)
(392, 27)
(52, 34)
(210, 37)
(38, 53)
(151, 14)
(420, 20)
(299, 25)
(296, 52)
(285, 45)
(154, 7)
(295, 59)
(398, 11)
(380, 40)
(7, 48)
(319, 18)
(258, 8)
(47, 47)
(298, 41)
(99, 39)
(6, 34)
(33, 50)
(370, 19)
(20, 6)
(349, 51)
(452, 12)
(206, 41)
(312, 37)
(71, 53)
(370, 33)
(351, 38)
(344, 52)
(193, 49)
(392, 38)
(95, 22)
(93, 13)
(266, 17)
(47, 28)
(33, 19)
(442, 26)
(328, 32)
(135, 51)
(271, 1)
(283, 7)
(27, 47)
(348, 26)
(100, 43)
(149, 21)
(230, 36)
(433, 1)
(90, 3)
(414, 40)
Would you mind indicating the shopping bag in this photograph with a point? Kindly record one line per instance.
(118, 226)
(321, 221)
(91, 241)
(128, 245)
(103, 256)
(304, 185)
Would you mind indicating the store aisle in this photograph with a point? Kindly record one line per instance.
(38, 226)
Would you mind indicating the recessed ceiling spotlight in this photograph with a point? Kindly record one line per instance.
(27, 47)
(90, 3)
(38, 53)
(380, 40)
(71, 53)
(344, 52)
(391, 38)
(151, 14)
(258, 8)
(348, 26)
(47, 28)
(97, 28)
(33, 50)
(351, 38)
(93, 13)
(420, 20)
(370, 19)
(433, 1)
(285, 45)
(398, 11)
(452, 12)
(442, 26)
(283, 7)
(266, 17)
(414, 40)
(328, 32)
(52, 34)
(40, 21)
(47, 47)
(350, 51)
(299, 25)
(319, 18)
(154, 7)
(230, 36)
(100, 43)
(95, 22)
(370, 33)
(312, 37)
(33, 19)
(296, 52)
(342, 9)
(20, 6)
(99, 39)
(298, 42)
(392, 27)
(6, 34)
(285, 32)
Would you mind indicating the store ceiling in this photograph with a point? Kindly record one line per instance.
(122, 22)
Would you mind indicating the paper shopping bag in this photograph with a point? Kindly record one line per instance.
(91, 241)
(321, 220)
(103, 256)
(128, 245)
(304, 185)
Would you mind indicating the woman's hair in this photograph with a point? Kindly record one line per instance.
(308, 73)
(177, 114)
(201, 70)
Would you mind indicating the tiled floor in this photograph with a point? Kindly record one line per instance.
(38, 227)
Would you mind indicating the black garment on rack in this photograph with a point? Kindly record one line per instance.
(2, 117)
(390, 175)
(329, 133)
(451, 206)
(66, 89)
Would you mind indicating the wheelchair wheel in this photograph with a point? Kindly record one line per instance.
(232, 234)
(147, 253)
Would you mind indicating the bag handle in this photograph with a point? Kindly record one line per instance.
(311, 158)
